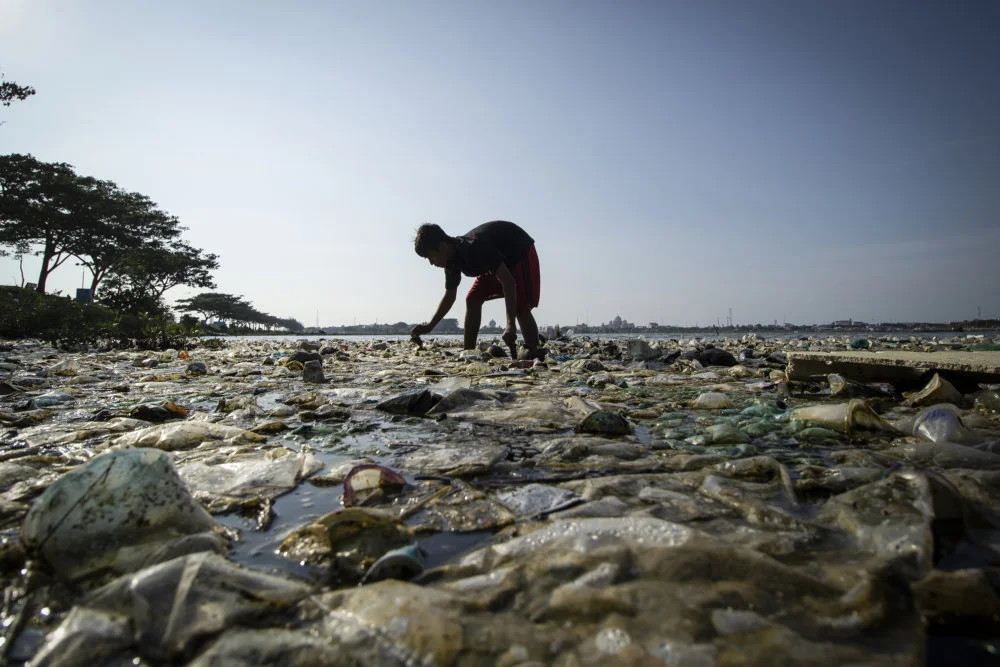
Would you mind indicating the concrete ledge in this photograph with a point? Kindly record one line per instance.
(904, 369)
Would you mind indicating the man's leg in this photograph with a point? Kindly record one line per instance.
(485, 287)
(529, 329)
(527, 276)
(473, 315)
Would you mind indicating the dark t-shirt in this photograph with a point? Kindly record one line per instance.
(484, 248)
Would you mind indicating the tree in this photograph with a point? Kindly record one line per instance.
(179, 264)
(233, 310)
(131, 297)
(292, 325)
(123, 223)
(43, 204)
(189, 323)
(213, 305)
(10, 91)
(143, 275)
(49, 206)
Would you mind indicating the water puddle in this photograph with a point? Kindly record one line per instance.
(308, 502)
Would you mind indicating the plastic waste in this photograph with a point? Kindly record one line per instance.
(184, 435)
(640, 350)
(66, 368)
(528, 413)
(353, 538)
(941, 423)
(712, 400)
(410, 403)
(404, 564)
(605, 422)
(367, 481)
(535, 500)
(50, 399)
(937, 390)
(261, 474)
(855, 415)
(111, 512)
(166, 610)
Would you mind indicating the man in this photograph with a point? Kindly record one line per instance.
(501, 256)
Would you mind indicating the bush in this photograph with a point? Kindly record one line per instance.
(149, 331)
(65, 323)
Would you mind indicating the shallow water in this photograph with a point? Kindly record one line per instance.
(307, 502)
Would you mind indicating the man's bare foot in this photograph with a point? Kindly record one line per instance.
(524, 354)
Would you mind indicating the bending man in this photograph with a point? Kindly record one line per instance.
(501, 257)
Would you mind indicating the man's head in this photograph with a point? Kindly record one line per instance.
(433, 244)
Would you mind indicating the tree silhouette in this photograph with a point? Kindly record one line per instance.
(10, 91)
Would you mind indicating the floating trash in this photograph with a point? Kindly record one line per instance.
(369, 481)
(351, 539)
(404, 564)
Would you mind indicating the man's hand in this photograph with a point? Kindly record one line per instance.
(420, 330)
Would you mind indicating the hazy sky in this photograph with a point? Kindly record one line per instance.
(808, 160)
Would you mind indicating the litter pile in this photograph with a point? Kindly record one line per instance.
(619, 502)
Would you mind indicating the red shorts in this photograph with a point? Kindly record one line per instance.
(526, 278)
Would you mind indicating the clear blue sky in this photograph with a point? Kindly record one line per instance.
(808, 160)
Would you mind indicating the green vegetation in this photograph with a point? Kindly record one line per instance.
(48, 210)
(235, 314)
(11, 91)
(69, 324)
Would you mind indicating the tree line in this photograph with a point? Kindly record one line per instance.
(234, 311)
(133, 249)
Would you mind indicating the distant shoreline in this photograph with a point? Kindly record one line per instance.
(976, 327)
(701, 334)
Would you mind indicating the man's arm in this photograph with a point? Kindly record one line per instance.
(506, 279)
(447, 301)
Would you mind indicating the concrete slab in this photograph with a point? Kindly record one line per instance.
(903, 369)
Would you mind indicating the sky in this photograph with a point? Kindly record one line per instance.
(798, 160)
